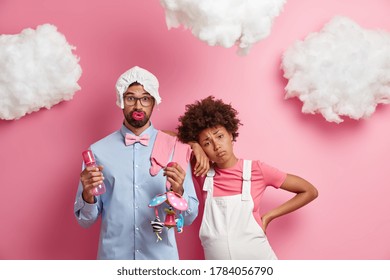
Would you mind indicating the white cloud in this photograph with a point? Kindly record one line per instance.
(224, 22)
(38, 70)
(343, 70)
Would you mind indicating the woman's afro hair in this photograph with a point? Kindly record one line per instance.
(207, 113)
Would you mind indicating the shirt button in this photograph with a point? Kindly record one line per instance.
(137, 228)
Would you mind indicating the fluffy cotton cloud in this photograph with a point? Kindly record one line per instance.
(343, 70)
(38, 70)
(224, 22)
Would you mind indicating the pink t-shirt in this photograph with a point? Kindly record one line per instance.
(228, 181)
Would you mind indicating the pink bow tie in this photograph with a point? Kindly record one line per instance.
(130, 139)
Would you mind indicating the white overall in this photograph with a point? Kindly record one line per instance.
(229, 231)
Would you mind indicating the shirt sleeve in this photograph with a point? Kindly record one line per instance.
(272, 176)
(190, 196)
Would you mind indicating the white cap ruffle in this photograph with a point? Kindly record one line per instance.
(140, 75)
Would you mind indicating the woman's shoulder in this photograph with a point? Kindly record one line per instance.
(261, 169)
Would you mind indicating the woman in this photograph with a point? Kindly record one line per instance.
(232, 227)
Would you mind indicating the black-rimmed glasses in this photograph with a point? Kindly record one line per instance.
(145, 101)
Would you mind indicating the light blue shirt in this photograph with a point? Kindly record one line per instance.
(126, 232)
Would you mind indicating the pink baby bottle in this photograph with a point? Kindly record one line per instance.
(89, 160)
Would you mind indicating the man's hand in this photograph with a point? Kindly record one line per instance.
(91, 177)
(175, 176)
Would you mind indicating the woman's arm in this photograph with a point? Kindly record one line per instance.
(200, 162)
(305, 193)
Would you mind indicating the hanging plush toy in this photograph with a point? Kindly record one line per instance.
(176, 203)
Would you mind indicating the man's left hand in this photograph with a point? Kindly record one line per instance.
(175, 176)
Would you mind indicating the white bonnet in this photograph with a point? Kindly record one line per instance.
(140, 75)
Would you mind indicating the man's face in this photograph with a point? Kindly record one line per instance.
(138, 107)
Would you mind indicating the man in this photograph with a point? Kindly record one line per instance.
(135, 171)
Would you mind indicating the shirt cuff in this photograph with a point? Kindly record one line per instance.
(186, 197)
(82, 204)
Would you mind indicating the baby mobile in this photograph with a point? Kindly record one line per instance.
(175, 205)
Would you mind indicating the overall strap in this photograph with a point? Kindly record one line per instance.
(209, 181)
(246, 180)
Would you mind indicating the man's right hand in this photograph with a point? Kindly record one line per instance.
(91, 177)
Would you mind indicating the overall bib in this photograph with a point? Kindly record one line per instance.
(228, 230)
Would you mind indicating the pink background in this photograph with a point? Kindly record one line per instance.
(40, 154)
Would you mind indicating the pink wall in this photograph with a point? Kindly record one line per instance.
(40, 153)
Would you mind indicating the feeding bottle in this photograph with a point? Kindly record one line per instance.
(89, 160)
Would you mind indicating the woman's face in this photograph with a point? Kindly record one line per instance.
(217, 143)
